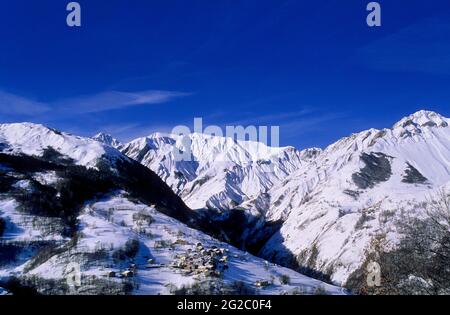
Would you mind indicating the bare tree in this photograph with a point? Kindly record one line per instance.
(423, 255)
(420, 264)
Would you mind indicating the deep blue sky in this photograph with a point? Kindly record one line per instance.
(137, 66)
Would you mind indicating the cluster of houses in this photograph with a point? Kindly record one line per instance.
(200, 260)
(196, 261)
(128, 273)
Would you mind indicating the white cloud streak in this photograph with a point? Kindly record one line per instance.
(112, 100)
(16, 105)
(11, 104)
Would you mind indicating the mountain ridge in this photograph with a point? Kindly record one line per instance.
(329, 194)
(62, 205)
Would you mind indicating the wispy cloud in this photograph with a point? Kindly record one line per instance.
(111, 100)
(20, 106)
(11, 104)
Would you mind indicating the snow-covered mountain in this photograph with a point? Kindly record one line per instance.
(339, 207)
(108, 139)
(220, 173)
(71, 206)
(124, 247)
(333, 204)
(34, 139)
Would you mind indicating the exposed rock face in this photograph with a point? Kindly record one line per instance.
(377, 169)
(413, 176)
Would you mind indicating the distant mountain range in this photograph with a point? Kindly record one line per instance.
(135, 219)
(79, 217)
(331, 203)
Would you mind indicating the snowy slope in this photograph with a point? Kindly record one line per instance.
(105, 228)
(221, 173)
(33, 139)
(116, 223)
(334, 207)
(38, 153)
(333, 203)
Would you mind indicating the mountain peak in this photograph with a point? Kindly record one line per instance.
(156, 135)
(26, 125)
(106, 138)
(423, 118)
(34, 139)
